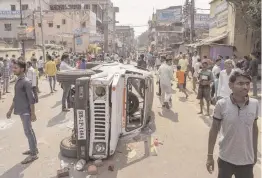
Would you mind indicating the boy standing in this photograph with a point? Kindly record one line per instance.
(180, 75)
(32, 76)
(205, 79)
(24, 106)
(50, 70)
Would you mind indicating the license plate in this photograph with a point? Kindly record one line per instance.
(81, 124)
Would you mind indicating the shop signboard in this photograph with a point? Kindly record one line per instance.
(9, 14)
(169, 15)
(21, 32)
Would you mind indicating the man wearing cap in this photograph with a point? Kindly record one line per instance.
(166, 76)
(205, 78)
(235, 118)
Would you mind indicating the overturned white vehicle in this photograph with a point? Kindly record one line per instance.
(110, 101)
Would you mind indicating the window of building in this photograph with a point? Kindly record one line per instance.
(8, 27)
(86, 6)
(24, 7)
(13, 8)
(58, 26)
(63, 21)
(39, 24)
(50, 24)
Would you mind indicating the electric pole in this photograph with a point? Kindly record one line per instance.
(21, 24)
(105, 22)
(42, 31)
(192, 16)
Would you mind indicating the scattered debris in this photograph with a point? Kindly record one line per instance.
(98, 163)
(92, 170)
(111, 166)
(80, 165)
(63, 164)
(131, 154)
(63, 172)
(6, 124)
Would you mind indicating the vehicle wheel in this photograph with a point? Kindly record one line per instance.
(70, 76)
(133, 103)
(67, 148)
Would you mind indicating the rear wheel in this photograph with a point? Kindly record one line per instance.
(133, 103)
(67, 148)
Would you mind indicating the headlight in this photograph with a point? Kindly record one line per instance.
(100, 91)
(100, 147)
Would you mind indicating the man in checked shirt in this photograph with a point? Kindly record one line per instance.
(5, 76)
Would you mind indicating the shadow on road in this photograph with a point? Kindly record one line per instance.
(15, 171)
(130, 150)
(58, 103)
(169, 114)
(58, 119)
(45, 96)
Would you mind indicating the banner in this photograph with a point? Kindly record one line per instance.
(169, 15)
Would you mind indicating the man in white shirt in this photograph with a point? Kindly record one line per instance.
(184, 66)
(223, 89)
(32, 76)
(216, 70)
(195, 58)
(166, 76)
(66, 87)
(40, 66)
(197, 68)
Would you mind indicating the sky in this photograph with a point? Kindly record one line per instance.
(137, 12)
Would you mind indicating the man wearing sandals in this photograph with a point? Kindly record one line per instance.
(24, 106)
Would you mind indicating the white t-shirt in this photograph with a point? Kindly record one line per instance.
(197, 69)
(216, 70)
(236, 133)
(223, 89)
(194, 60)
(31, 75)
(165, 74)
(184, 64)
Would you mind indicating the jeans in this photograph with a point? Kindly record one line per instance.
(66, 91)
(254, 81)
(52, 87)
(29, 132)
(35, 94)
(227, 170)
(5, 84)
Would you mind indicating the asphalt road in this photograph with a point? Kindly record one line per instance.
(183, 134)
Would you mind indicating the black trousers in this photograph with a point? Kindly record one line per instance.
(227, 170)
(159, 88)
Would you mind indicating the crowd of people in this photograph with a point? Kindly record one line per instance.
(226, 84)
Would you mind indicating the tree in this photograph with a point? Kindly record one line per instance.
(251, 11)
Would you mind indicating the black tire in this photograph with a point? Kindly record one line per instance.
(133, 103)
(70, 76)
(67, 148)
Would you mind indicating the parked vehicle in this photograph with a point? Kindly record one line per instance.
(110, 101)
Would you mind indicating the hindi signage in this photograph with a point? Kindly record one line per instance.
(169, 15)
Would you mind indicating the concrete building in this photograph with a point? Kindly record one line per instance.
(10, 20)
(227, 27)
(126, 36)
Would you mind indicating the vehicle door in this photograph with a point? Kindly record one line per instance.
(134, 103)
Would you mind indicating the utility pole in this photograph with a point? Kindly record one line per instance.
(192, 16)
(21, 24)
(105, 22)
(42, 31)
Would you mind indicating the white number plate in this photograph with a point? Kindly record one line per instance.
(81, 124)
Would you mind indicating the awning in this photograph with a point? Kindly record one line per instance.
(208, 40)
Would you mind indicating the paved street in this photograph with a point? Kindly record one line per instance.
(183, 133)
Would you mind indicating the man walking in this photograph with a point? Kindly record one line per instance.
(235, 117)
(23, 105)
(184, 67)
(66, 87)
(253, 70)
(205, 79)
(165, 77)
(32, 76)
(223, 89)
(50, 70)
(5, 76)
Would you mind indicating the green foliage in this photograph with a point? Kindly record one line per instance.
(251, 10)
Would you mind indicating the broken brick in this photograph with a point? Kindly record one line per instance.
(92, 170)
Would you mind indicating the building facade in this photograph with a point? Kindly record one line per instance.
(126, 43)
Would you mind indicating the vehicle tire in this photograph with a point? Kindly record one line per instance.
(133, 103)
(70, 76)
(67, 148)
